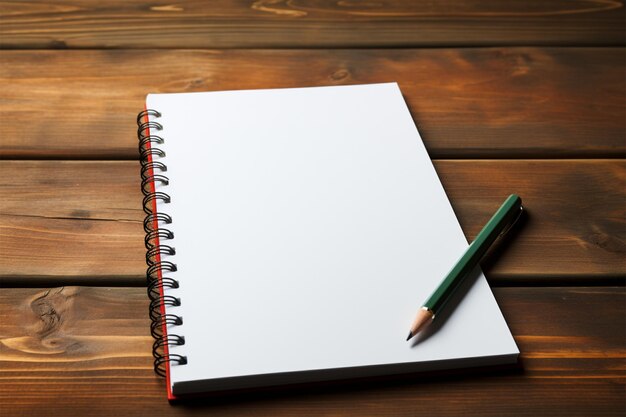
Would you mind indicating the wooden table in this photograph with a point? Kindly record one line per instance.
(509, 97)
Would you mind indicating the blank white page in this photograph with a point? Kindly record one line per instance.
(309, 227)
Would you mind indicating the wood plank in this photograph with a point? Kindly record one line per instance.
(81, 350)
(68, 222)
(307, 23)
(468, 103)
(575, 215)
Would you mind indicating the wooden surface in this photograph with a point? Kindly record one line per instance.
(70, 219)
(94, 345)
(308, 23)
(468, 103)
(508, 96)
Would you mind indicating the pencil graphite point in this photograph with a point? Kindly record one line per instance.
(409, 336)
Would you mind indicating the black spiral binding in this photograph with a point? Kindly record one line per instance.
(152, 173)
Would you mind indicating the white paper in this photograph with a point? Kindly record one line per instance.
(309, 227)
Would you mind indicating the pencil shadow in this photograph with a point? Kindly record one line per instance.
(453, 302)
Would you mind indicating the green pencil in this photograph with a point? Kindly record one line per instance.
(506, 215)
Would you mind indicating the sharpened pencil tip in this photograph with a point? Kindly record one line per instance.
(409, 336)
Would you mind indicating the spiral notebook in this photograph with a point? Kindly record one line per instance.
(291, 236)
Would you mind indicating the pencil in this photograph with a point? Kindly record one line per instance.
(499, 224)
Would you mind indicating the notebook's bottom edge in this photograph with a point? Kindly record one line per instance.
(180, 390)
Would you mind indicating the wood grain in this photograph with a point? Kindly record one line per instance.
(308, 23)
(468, 103)
(78, 350)
(520, 80)
(64, 222)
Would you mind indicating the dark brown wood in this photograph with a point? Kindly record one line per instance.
(575, 216)
(308, 23)
(68, 222)
(81, 350)
(468, 103)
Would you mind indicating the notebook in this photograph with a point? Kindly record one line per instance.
(291, 236)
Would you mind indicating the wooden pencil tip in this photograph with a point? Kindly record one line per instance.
(409, 336)
(423, 317)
